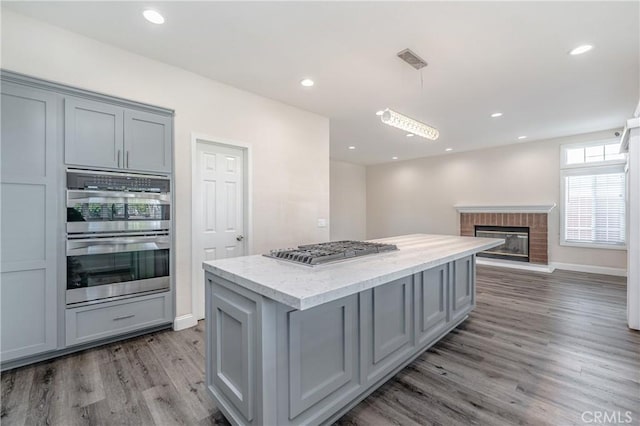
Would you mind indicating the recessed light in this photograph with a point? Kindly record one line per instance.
(580, 49)
(496, 115)
(410, 135)
(394, 158)
(153, 16)
(307, 82)
(522, 137)
(379, 112)
(449, 149)
(352, 147)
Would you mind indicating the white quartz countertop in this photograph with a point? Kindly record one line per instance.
(303, 287)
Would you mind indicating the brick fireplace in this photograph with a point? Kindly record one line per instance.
(535, 218)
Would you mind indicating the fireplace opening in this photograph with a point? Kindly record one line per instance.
(516, 246)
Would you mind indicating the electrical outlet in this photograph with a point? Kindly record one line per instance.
(322, 223)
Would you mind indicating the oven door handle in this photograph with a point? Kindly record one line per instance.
(73, 202)
(116, 245)
(88, 196)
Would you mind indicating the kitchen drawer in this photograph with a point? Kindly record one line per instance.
(93, 322)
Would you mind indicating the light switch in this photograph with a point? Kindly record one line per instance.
(322, 223)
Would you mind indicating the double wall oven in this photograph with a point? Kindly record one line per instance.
(118, 235)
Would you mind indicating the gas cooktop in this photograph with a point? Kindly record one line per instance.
(316, 254)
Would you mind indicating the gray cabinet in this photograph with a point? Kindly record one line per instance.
(29, 212)
(147, 141)
(99, 134)
(462, 287)
(322, 349)
(432, 303)
(46, 125)
(268, 363)
(233, 326)
(386, 324)
(93, 133)
(94, 322)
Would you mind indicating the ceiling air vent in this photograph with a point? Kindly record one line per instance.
(412, 59)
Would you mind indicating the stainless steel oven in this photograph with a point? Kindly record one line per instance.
(118, 235)
(116, 202)
(112, 266)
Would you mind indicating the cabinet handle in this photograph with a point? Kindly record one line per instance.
(124, 317)
(118, 158)
(127, 159)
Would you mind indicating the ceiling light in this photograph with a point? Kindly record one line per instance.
(379, 112)
(394, 158)
(522, 137)
(496, 115)
(408, 124)
(581, 49)
(352, 147)
(449, 149)
(410, 135)
(307, 82)
(153, 16)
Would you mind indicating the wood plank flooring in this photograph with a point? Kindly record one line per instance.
(538, 349)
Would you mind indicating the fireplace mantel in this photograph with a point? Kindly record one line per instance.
(517, 208)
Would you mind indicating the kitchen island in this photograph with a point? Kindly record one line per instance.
(290, 344)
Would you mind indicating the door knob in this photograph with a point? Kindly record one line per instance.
(239, 238)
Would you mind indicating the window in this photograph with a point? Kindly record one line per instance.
(593, 195)
(581, 155)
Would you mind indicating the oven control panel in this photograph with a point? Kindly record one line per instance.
(116, 182)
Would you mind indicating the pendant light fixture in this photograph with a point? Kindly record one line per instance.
(408, 124)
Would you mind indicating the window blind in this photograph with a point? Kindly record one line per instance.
(595, 208)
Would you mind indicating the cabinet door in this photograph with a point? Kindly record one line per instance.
(93, 133)
(432, 300)
(29, 214)
(147, 141)
(232, 354)
(322, 350)
(386, 327)
(462, 287)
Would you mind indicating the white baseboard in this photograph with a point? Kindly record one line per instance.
(184, 321)
(605, 270)
(515, 265)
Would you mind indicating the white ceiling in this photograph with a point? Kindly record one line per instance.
(483, 57)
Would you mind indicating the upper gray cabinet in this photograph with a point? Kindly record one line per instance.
(147, 141)
(93, 133)
(99, 134)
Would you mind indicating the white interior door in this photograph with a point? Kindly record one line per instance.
(218, 193)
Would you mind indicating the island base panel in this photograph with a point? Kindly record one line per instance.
(270, 364)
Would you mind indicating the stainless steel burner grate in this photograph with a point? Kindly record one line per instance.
(316, 254)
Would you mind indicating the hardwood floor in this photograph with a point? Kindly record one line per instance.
(538, 349)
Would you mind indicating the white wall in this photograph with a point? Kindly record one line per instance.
(290, 146)
(633, 233)
(419, 195)
(348, 201)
